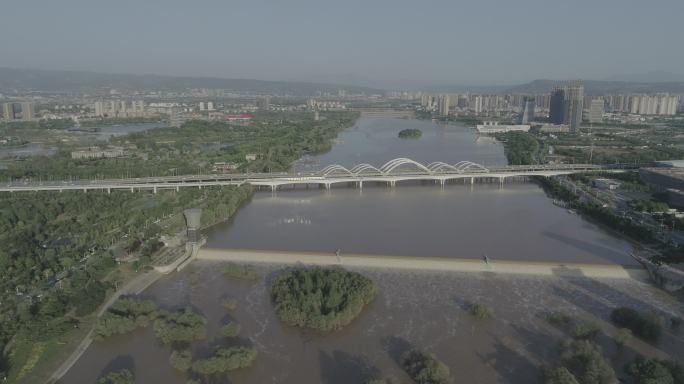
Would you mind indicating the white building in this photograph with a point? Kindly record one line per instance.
(494, 127)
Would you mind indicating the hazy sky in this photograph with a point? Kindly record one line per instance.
(388, 41)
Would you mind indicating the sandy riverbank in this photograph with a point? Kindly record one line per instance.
(424, 263)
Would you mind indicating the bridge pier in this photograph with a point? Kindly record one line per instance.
(109, 191)
(274, 187)
(392, 183)
(154, 189)
(501, 181)
(327, 186)
(85, 190)
(442, 182)
(360, 184)
(177, 188)
(472, 180)
(132, 190)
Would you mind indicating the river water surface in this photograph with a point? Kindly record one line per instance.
(426, 310)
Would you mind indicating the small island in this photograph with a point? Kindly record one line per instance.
(410, 133)
(324, 299)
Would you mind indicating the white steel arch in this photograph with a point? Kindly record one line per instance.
(439, 166)
(393, 164)
(330, 169)
(365, 168)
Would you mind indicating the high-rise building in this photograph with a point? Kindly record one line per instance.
(527, 113)
(27, 112)
(444, 105)
(478, 104)
(202, 106)
(567, 105)
(8, 112)
(210, 106)
(596, 111)
(264, 103)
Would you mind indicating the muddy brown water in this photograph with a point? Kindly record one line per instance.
(426, 310)
(413, 309)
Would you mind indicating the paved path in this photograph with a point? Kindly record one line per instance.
(425, 263)
(132, 287)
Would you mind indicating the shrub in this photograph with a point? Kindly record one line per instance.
(321, 299)
(225, 360)
(181, 360)
(230, 304)
(231, 329)
(559, 319)
(646, 327)
(123, 376)
(424, 368)
(586, 331)
(481, 312)
(237, 271)
(621, 337)
(585, 361)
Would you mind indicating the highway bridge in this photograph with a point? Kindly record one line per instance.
(390, 173)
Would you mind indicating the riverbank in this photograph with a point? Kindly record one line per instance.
(425, 263)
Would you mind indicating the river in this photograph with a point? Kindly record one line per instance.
(413, 308)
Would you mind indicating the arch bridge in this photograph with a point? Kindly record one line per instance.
(391, 172)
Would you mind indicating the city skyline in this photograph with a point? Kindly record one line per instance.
(375, 44)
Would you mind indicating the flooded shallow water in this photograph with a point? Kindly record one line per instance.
(426, 310)
(412, 309)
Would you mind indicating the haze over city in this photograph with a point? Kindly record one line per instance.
(350, 192)
(387, 44)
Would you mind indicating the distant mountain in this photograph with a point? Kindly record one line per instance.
(598, 87)
(49, 80)
(648, 77)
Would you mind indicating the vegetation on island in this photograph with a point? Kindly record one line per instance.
(645, 326)
(181, 360)
(225, 360)
(181, 326)
(410, 133)
(231, 329)
(584, 360)
(323, 299)
(124, 316)
(424, 368)
(123, 376)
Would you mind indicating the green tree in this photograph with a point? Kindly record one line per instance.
(425, 368)
(559, 375)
